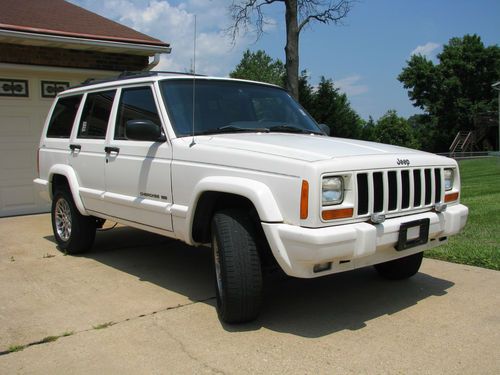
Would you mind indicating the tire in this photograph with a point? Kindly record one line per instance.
(238, 271)
(74, 232)
(401, 268)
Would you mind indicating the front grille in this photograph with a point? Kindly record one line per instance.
(392, 191)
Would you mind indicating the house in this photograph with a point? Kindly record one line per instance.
(45, 47)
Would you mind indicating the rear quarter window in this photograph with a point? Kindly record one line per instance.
(63, 117)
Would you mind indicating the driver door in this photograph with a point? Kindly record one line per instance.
(138, 187)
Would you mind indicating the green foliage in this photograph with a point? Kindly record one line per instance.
(103, 325)
(479, 243)
(259, 66)
(16, 348)
(457, 89)
(426, 132)
(368, 130)
(49, 339)
(328, 106)
(395, 130)
(306, 91)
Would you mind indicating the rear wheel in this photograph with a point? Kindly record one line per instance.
(238, 273)
(401, 268)
(74, 232)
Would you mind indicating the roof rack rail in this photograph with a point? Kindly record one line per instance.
(149, 73)
(132, 74)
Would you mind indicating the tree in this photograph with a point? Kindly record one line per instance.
(259, 66)
(395, 130)
(306, 91)
(298, 14)
(426, 132)
(368, 131)
(324, 103)
(329, 106)
(457, 89)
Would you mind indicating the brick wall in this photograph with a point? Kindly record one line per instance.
(31, 55)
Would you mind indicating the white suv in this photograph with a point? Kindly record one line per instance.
(241, 166)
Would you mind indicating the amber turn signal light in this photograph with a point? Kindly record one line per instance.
(341, 213)
(304, 200)
(451, 197)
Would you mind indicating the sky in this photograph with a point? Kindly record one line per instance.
(363, 56)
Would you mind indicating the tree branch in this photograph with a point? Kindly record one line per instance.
(313, 10)
(242, 14)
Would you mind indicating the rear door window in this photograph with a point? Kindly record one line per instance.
(63, 117)
(95, 115)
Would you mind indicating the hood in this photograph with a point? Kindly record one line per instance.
(301, 146)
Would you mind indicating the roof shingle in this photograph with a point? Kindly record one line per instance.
(58, 17)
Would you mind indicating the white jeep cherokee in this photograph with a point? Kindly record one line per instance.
(241, 166)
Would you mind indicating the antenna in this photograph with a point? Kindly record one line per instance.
(194, 81)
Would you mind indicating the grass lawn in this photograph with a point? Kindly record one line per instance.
(479, 243)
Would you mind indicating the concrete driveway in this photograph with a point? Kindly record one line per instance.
(141, 303)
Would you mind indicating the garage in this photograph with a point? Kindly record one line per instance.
(22, 116)
(46, 48)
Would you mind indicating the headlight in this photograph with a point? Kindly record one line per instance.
(448, 179)
(332, 190)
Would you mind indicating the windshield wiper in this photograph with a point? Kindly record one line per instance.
(292, 129)
(234, 129)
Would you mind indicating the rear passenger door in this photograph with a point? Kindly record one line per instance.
(138, 187)
(87, 147)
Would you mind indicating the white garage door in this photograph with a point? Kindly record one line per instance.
(21, 123)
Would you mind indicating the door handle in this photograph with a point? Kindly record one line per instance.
(75, 147)
(109, 150)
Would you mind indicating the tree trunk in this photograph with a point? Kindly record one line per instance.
(292, 48)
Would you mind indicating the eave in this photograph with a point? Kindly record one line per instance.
(81, 43)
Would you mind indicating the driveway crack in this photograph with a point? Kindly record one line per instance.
(49, 339)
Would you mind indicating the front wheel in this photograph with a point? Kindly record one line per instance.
(401, 268)
(74, 232)
(238, 273)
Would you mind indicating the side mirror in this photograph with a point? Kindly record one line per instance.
(143, 130)
(325, 129)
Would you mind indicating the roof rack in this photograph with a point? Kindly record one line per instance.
(149, 73)
(133, 74)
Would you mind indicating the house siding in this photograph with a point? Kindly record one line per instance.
(47, 56)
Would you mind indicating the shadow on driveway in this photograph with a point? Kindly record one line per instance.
(303, 307)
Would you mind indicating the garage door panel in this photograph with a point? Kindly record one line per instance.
(17, 157)
(16, 196)
(22, 126)
(24, 177)
(16, 126)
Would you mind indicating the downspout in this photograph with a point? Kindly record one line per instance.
(152, 64)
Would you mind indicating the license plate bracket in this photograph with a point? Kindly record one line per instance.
(423, 234)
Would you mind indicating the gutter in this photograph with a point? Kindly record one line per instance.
(81, 43)
(154, 63)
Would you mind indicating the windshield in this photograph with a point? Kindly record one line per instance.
(231, 106)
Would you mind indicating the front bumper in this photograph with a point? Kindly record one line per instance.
(351, 246)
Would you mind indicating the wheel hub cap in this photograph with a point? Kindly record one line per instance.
(63, 219)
